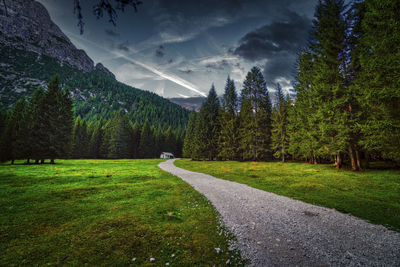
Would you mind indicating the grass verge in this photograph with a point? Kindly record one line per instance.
(106, 212)
(373, 195)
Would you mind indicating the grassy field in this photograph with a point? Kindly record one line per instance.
(373, 194)
(106, 212)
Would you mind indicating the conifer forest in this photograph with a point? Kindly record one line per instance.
(346, 106)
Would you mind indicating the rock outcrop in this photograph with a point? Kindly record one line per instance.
(26, 25)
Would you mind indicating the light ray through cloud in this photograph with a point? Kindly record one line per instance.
(170, 77)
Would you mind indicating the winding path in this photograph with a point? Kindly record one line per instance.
(273, 230)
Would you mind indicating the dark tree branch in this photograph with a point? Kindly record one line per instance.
(5, 7)
(105, 6)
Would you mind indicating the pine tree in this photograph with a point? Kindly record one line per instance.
(22, 140)
(37, 108)
(78, 138)
(119, 145)
(58, 119)
(228, 138)
(329, 85)
(179, 137)
(169, 141)
(207, 128)
(189, 140)
(255, 117)
(304, 131)
(146, 142)
(11, 132)
(379, 78)
(96, 139)
(65, 123)
(159, 141)
(279, 124)
(136, 130)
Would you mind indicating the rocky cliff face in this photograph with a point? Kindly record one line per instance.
(26, 24)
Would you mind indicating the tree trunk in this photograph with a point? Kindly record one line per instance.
(352, 159)
(28, 161)
(12, 162)
(338, 161)
(51, 161)
(283, 155)
(36, 161)
(42, 161)
(358, 160)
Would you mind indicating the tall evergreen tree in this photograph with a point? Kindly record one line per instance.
(207, 128)
(58, 119)
(22, 140)
(328, 86)
(80, 145)
(136, 130)
(379, 78)
(255, 117)
(36, 109)
(229, 135)
(120, 142)
(279, 124)
(146, 144)
(12, 131)
(65, 123)
(96, 139)
(169, 141)
(188, 144)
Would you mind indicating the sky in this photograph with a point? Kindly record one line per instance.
(179, 48)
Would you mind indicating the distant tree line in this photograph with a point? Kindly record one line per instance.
(43, 128)
(347, 104)
(118, 137)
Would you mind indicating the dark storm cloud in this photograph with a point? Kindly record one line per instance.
(124, 46)
(111, 33)
(281, 65)
(278, 43)
(287, 36)
(160, 51)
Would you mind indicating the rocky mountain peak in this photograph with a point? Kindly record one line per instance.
(27, 25)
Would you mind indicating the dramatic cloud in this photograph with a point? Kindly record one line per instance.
(182, 47)
(124, 46)
(111, 33)
(277, 44)
(287, 36)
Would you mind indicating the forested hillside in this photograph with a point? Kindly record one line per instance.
(95, 94)
(42, 127)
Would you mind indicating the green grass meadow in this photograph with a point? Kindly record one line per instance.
(106, 212)
(373, 195)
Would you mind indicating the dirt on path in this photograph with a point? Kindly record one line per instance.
(273, 230)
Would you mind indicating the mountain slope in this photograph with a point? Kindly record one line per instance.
(190, 103)
(33, 48)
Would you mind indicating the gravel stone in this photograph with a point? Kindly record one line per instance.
(318, 236)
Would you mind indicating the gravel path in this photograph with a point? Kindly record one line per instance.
(273, 230)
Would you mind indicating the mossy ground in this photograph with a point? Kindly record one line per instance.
(106, 212)
(373, 195)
